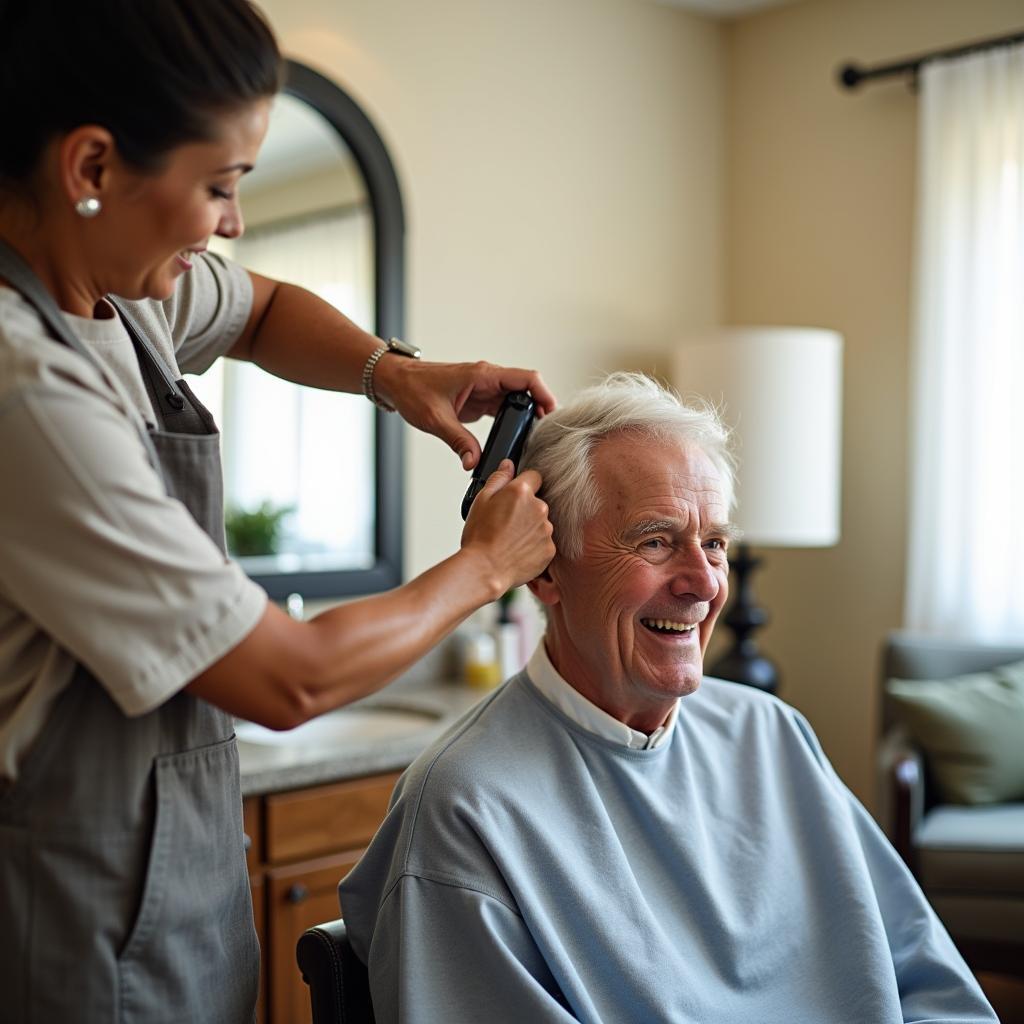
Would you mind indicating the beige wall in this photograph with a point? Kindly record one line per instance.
(820, 226)
(586, 178)
(561, 162)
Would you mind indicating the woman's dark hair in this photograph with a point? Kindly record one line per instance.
(154, 73)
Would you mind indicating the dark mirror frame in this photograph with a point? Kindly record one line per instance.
(385, 197)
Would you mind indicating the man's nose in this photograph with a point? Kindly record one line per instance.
(693, 577)
(231, 224)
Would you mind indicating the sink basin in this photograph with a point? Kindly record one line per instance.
(345, 726)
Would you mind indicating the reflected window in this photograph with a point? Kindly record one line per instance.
(299, 463)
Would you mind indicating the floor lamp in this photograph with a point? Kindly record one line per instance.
(779, 389)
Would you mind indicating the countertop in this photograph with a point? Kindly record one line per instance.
(269, 768)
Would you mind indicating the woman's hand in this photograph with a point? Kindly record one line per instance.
(508, 524)
(439, 397)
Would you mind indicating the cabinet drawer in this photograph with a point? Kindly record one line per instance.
(325, 819)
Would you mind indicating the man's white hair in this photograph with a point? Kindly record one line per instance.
(562, 444)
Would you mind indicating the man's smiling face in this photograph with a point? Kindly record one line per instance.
(630, 619)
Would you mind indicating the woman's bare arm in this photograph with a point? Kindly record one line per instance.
(286, 672)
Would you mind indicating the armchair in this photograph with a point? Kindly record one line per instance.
(968, 859)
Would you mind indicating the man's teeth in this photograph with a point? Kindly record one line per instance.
(668, 624)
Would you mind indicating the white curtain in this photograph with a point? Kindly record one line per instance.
(966, 549)
(297, 446)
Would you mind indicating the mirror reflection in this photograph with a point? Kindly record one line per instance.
(299, 463)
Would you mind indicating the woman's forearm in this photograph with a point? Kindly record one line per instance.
(285, 672)
(370, 642)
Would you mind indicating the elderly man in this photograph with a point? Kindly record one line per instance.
(608, 838)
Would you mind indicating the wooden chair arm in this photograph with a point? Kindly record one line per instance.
(907, 800)
(902, 778)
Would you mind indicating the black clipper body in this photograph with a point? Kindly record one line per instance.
(505, 441)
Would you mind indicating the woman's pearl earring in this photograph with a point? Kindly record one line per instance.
(88, 206)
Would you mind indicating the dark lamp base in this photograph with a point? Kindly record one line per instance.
(751, 670)
(743, 663)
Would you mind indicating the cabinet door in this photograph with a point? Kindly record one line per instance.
(298, 897)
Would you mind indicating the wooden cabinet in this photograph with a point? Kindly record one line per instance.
(303, 842)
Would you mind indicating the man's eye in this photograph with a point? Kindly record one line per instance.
(220, 193)
(653, 544)
(715, 544)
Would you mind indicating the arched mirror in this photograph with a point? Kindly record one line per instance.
(312, 479)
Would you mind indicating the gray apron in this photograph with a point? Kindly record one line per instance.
(123, 886)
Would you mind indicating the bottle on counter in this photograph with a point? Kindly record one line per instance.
(480, 667)
(508, 633)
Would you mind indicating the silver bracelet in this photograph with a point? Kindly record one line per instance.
(399, 348)
(371, 365)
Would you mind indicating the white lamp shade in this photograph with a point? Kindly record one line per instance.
(780, 390)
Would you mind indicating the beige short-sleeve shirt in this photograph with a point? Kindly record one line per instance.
(97, 564)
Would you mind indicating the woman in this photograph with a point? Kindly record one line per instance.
(127, 640)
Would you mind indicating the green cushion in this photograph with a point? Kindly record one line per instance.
(971, 729)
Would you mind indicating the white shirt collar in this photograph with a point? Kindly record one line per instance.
(583, 712)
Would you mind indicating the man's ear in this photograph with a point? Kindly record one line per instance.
(86, 155)
(545, 588)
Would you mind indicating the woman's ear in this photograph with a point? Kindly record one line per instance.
(545, 588)
(85, 157)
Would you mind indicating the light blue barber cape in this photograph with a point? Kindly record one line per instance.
(531, 871)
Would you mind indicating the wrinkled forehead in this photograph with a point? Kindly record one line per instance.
(634, 473)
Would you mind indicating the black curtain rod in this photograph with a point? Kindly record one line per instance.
(851, 75)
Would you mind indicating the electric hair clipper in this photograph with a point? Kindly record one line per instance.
(505, 441)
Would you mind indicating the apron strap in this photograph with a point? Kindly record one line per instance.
(172, 399)
(18, 273)
(22, 277)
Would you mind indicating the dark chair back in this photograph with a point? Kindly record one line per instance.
(339, 985)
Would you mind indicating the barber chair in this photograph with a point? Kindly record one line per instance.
(339, 985)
